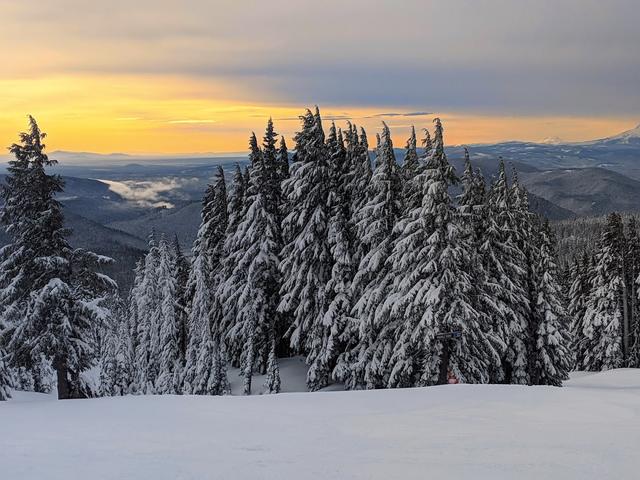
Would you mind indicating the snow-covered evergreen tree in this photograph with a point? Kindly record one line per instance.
(272, 382)
(427, 144)
(210, 374)
(434, 291)
(378, 155)
(579, 294)
(411, 189)
(275, 168)
(16, 272)
(236, 211)
(6, 380)
(205, 275)
(109, 367)
(318, 121)
(133, 323)
(332, 334)
(551, 343)
(526, 228)
(212, 231)
(169, 328)
(359, 168)
(603, 318)
(147, 332)
(116, 360)
(246, 175)
(306, 257)
(253, 286)
(632, 271)
(472, 202)
(232, 277)
(235, 208)
(358, 175)
(49, 293)
(503, 289)
(473, 212)
(182, 297)
(364, 363)
(283, 160)
(200, 334)
(282, 163)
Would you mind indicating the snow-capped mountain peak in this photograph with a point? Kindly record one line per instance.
(553, 140)
(627, 136)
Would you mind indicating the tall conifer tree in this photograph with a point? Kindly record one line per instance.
(182, 297)
(168, 380)
(504, 286)
(147, 331)
(50, 293)
(579, 294)
(306, 257)
(603, 319)
(204, 315)
(365, 361)
(5, 378)
(254, 283)
(551, 342)
(435, 291)
(333, 332)
(412, 190)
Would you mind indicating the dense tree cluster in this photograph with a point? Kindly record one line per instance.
(367, 267)
(603, 299)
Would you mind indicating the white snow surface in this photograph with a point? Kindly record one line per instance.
(590, 429)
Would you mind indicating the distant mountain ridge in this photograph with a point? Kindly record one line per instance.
(629, 137)
(565, 180)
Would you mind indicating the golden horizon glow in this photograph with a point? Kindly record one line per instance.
(180, 115)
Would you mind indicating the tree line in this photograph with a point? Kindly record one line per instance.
(370, 269)
(366, 266)
(603, 299)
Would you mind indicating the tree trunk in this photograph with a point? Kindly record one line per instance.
(508, 372)
(64, 390)
(183, 336)
(632, 309)
(443, 377)
(248, 366)
(625, 319)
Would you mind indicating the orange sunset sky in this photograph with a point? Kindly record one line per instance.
(198, 76)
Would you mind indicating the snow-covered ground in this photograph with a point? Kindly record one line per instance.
(588, 430)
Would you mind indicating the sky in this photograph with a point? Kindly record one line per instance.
(155, 76)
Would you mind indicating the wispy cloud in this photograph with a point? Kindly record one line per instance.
(396, 114)
(346, 116)
(190, 121)
(324, 117)
(144, 194)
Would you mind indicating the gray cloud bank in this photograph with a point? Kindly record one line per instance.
(548, 56)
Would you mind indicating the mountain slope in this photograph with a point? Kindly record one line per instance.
(547, 209)
(125, 249)
(182, 221)
(586, 191)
